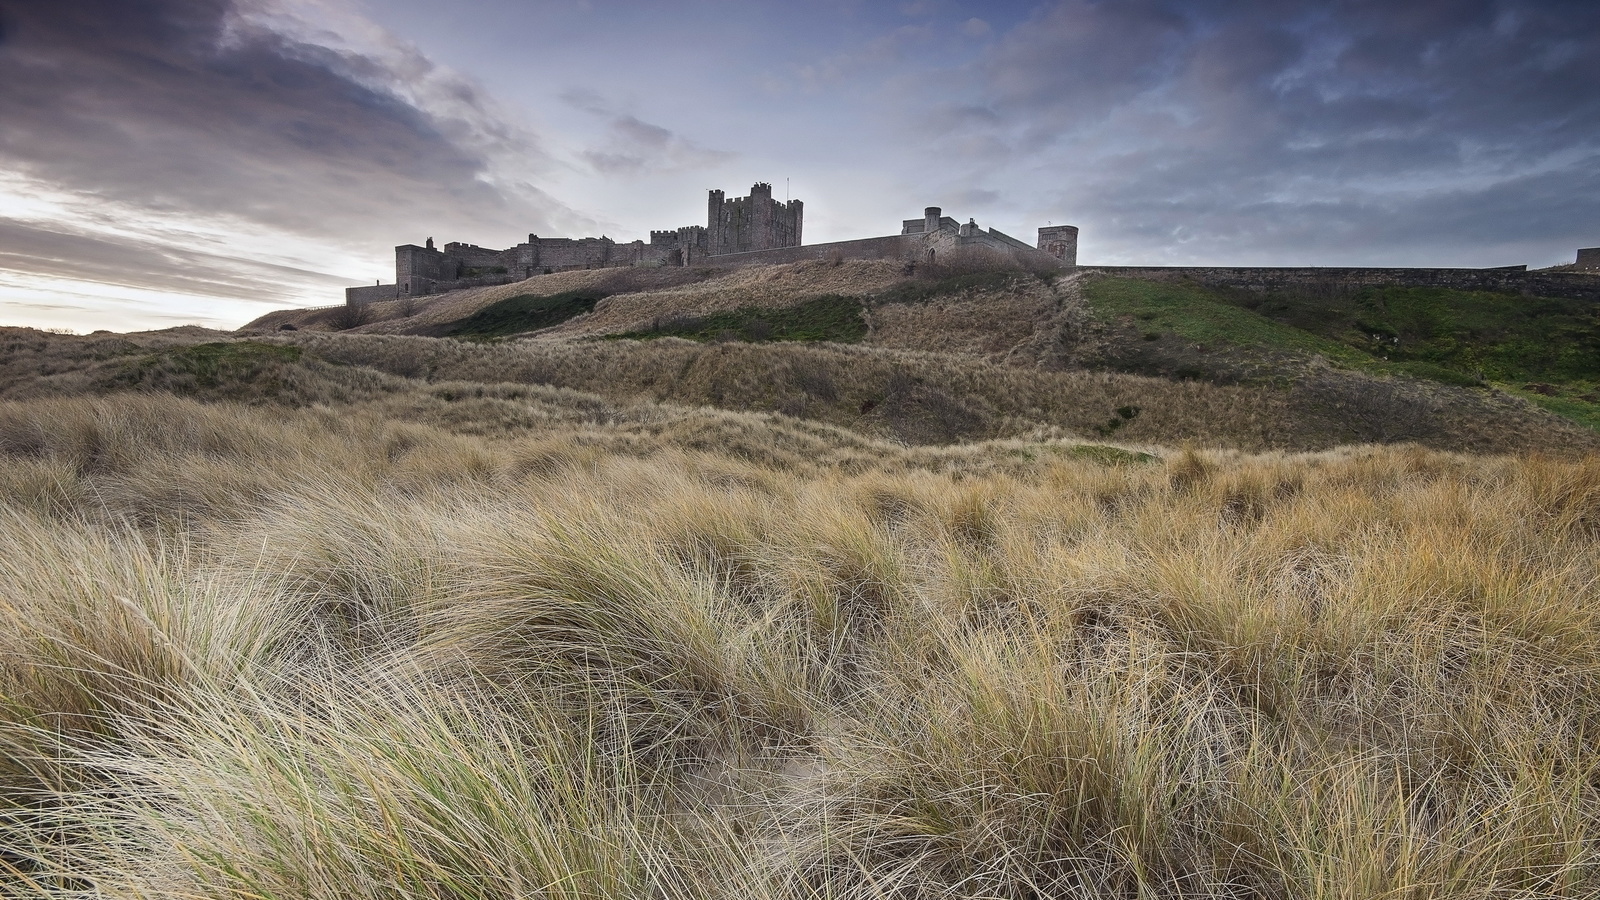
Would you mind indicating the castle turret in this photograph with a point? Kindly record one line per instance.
(930, 219)
(797, 214)
(715, 233)
(1060, 241)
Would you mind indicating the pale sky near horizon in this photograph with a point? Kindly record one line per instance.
(166, 162)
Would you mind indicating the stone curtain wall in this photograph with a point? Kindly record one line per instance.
(1514, 279)
(471, 256)
(565, 254)
(891, 247)
(1589, 258)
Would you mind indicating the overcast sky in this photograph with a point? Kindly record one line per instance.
(165, 162)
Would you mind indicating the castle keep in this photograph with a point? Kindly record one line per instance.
(738, 231)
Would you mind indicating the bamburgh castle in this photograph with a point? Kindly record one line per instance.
(758, 229)
(738, 231)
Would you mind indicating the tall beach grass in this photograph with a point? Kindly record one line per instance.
(258, 652)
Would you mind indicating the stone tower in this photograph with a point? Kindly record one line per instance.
(756, 222)
(1060, 241)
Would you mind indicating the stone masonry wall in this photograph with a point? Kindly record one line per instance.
(565, 254)
(471, 256)
(1589, 258)
(413, 262)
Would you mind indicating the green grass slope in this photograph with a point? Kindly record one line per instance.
(1545, 350)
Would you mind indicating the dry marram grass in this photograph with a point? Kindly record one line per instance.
(330, 653)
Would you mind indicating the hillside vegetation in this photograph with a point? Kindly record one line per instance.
(823, 581)
(1360, 364)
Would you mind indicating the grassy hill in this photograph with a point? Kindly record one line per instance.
(805, 582)
(975, 351)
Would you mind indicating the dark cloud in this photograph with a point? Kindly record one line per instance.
(185, 106)
(1216, 129)
(1079, 60)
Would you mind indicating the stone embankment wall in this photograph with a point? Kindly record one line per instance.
(1511, 279)
(372, 293)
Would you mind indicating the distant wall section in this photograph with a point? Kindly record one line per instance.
(373, 293)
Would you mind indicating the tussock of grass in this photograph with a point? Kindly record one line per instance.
(268, 652)
(524, 312)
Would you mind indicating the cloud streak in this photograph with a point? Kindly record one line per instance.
(201, 109)
(151, 265)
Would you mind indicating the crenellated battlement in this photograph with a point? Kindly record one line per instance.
(754, 222)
